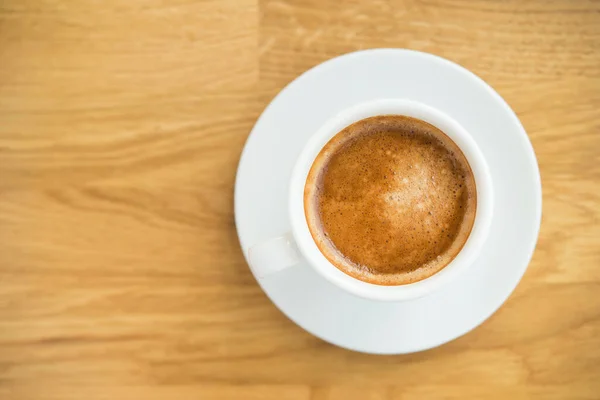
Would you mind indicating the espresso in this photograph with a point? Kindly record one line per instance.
(390, 200)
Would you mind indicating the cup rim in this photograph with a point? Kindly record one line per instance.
(483, 215)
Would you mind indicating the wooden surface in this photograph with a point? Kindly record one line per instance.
(121, 125)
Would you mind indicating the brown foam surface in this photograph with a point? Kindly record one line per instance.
(390, 200)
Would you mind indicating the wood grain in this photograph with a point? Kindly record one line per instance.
(121, 124)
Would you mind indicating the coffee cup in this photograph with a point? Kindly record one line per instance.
(289, 249)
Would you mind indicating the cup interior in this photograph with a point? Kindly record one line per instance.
(456, 133)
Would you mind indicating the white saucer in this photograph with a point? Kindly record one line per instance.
(299, 110)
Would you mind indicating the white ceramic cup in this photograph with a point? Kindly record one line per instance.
(285, 251)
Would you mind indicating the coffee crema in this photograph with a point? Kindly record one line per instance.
(390, 200)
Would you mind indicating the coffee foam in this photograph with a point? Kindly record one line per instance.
(390, 200)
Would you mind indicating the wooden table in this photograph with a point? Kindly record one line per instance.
(121, 125)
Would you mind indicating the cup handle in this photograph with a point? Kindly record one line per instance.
(273, 255)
